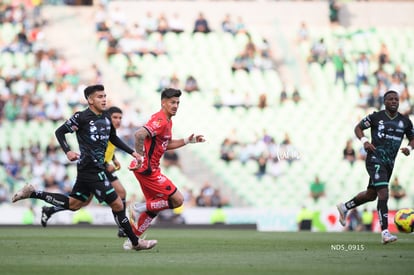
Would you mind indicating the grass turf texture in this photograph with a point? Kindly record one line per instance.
(95, 250)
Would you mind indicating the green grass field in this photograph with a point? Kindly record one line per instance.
(95, 250)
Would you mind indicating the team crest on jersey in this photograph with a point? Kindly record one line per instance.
(156, 123)
(401, 124)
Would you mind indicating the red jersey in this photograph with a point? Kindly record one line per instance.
(156, 144)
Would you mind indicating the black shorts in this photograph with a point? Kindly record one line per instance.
(111, 176)
(379, 174)
(95, 183)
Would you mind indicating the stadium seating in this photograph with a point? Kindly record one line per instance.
(319, 125)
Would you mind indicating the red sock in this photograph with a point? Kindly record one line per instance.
(144, 222)
(157, 205)
(134, 228)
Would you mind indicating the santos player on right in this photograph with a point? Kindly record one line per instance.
(388, 128)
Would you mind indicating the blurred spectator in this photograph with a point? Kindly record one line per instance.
(296, 96)
(227, 25)
(287, 150)
(113, 46)
(405, 107)
(338, 59)
(28, 216)
(349, 152)
(318, 52)
(13, 173)
(362, 69)
(240, 26)
(400, 74)
(261, 166)
(218, 216)
(191, 84)
(396, 84)
(149, 23)
(303, 32)
(317, 189)
(171, 158)
(375, 99)
(4, 193)
(204, 197)
(201, 24)
(304, 219)
(227, 150)
(355, 221)
(381, 75)
(132, 71)
(262, 101)
(189, 199)
(365, 93)
(163, 25)
(334, 8)
(367, 218)
(383, 54)
(397, 191)
(283, 97)
(176, 24)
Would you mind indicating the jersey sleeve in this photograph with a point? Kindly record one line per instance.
(155, 125)
(409, 132)
(366, 122)
(69, 126)
(73, 122)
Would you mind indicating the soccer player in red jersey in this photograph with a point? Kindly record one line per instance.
(151, 141)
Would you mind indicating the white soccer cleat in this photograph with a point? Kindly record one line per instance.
(142, 244)
(23, 193)
(342, 213)
(387, 237)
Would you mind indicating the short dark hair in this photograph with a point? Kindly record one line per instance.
(92, 89)
(390, 92)
(170, 92)
(114, 109)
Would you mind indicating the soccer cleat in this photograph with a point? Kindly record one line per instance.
(342, 213)
(23, 193)
(387, 237)
(45, 216)
(142, 244)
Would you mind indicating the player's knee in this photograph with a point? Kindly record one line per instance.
(75, 205)
(176, 200)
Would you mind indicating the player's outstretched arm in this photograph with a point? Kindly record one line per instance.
(177, 143)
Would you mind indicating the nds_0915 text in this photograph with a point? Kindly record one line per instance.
(347, 247)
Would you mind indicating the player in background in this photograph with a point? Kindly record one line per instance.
(111, 165)
(388, 128)
(93, 129)
(151, 141)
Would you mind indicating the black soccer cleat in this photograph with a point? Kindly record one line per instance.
(45, 216)
(121, 233)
